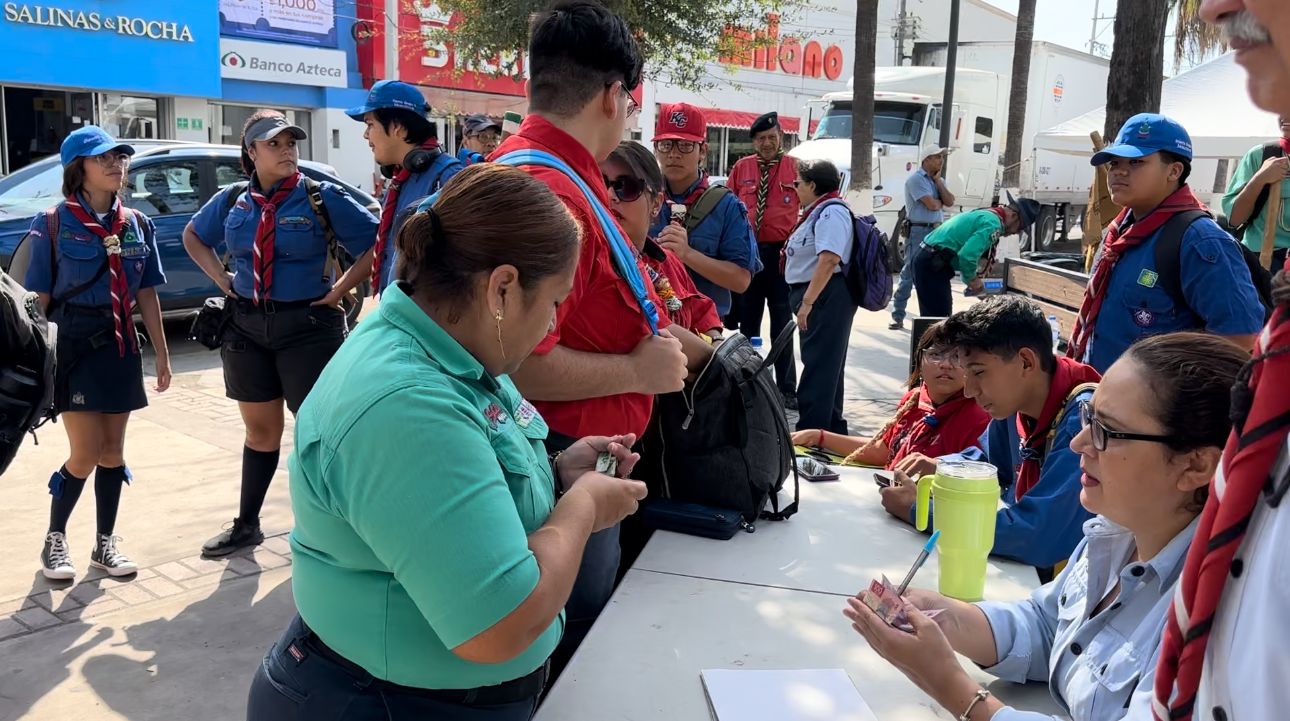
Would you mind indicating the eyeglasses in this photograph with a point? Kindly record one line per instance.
(683, 146)
(1103, 435)
(940, 355)
(632, 106)
(626, 188)
(112, 157)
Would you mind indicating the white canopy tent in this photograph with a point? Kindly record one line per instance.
(1210, 101)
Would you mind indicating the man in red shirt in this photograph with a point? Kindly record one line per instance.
(599, 369)
(764, 182)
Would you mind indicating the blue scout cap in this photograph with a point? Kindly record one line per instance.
(89, 141)
(391, 94)
(1144, 134)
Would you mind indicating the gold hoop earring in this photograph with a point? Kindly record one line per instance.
(500, 343)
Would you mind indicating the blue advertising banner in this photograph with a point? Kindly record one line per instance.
(305, 22)
(164, 48)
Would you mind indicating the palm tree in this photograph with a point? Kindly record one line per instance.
(1194, 39)
(859, 190)
(1021, 50)
(1137, 61)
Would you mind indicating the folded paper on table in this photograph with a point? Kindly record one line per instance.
(798, 695)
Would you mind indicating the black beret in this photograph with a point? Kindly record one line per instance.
(764, 123)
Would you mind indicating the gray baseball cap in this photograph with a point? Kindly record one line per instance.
(269, 128)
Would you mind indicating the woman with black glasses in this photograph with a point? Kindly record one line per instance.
(1152, 437)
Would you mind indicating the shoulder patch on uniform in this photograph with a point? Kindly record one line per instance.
(241, 204)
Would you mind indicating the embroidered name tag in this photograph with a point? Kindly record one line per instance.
(296, 221)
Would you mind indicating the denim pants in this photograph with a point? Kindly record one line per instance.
(905, 288)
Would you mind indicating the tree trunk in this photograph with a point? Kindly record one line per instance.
(1021, 52)
(1137, 62)
(860, 191)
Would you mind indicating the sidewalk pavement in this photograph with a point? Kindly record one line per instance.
(182, 638)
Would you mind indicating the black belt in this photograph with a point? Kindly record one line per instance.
(269, 306)
(520, 689)
(926, 225)
(96, 310)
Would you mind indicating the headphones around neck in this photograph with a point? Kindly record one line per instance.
(418, 160)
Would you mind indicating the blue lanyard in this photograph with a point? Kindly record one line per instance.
(624, 259)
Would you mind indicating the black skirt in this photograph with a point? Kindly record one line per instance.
(91, 375)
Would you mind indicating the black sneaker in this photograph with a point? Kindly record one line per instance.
(896, 325)
(56, 558)
(106, 556)
(239, 535)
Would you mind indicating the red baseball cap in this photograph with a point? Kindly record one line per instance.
(681, 121)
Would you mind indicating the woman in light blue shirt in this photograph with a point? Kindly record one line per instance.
(813, 259)
(1152, 437)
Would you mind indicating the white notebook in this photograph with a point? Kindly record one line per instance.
(801, 695)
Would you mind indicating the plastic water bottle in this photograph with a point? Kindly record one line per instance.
(756, 344)
(1057, 331)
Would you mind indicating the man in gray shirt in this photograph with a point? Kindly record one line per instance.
(925, 199)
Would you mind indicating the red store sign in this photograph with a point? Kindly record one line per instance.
(425, 61)
(764, 50)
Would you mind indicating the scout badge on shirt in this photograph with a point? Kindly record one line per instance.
(525, 414)
(678, 214)
(496, 416)
(1144, 318)
(1147, 278)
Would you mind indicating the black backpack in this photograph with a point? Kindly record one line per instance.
(724, 442)
(26, 369)
(1169, 263)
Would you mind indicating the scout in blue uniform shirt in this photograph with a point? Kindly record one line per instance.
(406, 145)
(721, 251)
(480, 136)
(94, 263)
(287, 321)
(1005, 347)
(1127, 298)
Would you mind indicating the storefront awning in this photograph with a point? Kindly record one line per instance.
(720, 118)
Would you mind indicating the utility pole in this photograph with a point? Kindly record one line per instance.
(1092, 38)
(392, 39)
(900, 35)
(951, 60)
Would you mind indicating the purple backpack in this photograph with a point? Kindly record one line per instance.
(868, 271)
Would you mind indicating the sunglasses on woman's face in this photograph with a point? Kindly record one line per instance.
(626, 188)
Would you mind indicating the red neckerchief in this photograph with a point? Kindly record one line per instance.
(1035, 433)
(1120, 238)
(265, 231)
(1285, 145)
(389, 209)
(696, 192)
(119, 284)
(1258, 436)
(924, 419)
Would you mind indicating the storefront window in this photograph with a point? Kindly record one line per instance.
(36, 121)
(715, 137)
(738, 145)
(230, 118)
(129, 116)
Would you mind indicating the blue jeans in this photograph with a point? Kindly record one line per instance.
(296, 682)
(906, 286)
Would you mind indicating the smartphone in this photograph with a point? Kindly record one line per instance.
(882, 481)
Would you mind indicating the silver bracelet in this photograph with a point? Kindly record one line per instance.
(980, 696)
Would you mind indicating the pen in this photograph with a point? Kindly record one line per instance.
(918, 562)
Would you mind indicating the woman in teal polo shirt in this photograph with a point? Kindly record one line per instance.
(433, 548)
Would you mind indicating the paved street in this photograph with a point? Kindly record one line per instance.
(181, 640)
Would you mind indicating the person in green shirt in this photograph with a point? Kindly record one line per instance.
(1246, 201)
(965, 244)
(435, 542)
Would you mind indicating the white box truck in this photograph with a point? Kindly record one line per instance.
(907, 108)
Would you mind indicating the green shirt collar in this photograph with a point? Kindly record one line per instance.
(398, 308)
